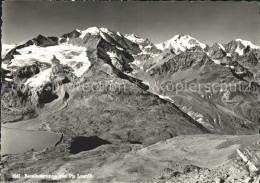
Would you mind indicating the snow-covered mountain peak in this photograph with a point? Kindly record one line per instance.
(240, 46)
(181, 43)
(90, 30)
(134, 38)
(247, 43)
(94, 31)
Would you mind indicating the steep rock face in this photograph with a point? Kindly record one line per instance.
(217, 51)
(71, 35)
(15, 103)
(44, 41)
(27, 71)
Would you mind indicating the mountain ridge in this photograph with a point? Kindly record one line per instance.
(133, 58)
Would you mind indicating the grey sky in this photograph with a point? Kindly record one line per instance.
(209, 22)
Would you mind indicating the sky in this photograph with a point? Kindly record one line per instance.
(208, 22)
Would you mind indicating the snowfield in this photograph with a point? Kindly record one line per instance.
(67, 54)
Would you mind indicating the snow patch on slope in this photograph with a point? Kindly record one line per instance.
(160, 46)
(6, 48)
(111, 54)
(239, 51)
(40, 79)
(166, 98)
(221, 46)
(216, 61)
(134, 38)
(4, 66)
(118, 33)
(196, 116)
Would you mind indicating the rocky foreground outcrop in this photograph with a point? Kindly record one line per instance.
(197, 158)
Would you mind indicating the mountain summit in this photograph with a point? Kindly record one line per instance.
(181, 43)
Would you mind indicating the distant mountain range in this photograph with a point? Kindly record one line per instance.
(101, 55)
(127, 90)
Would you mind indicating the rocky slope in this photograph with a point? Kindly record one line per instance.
(218, 86)
(193, 158)
(128, 94)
